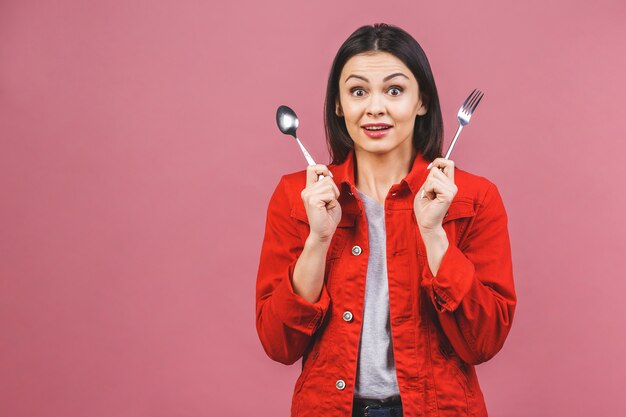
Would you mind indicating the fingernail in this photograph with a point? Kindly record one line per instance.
(422, 194)
(429, 165)
(331, 174)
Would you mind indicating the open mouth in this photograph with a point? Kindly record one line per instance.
(376, 128)
(376, 131)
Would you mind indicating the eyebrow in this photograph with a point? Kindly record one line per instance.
(387, 78)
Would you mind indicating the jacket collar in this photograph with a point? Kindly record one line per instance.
(343, 173)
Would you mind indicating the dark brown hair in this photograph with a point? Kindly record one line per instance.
(428, 131)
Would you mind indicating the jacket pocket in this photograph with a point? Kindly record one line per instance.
(456, 363)
(298, 212)
(340, 237)
(460, 208)
(309, 363)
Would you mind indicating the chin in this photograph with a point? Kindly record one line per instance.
(378, 147)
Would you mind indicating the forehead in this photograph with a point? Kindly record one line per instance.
(374, 66)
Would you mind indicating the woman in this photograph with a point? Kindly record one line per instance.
(391, 276)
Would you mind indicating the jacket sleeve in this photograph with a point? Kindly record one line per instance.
(285, 321)
(473, 292)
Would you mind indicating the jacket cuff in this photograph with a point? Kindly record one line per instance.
(296, 312)
(454, 279)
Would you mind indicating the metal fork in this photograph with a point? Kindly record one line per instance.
(464, 115)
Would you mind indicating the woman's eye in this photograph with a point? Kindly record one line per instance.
(359, 92)
(395, 91)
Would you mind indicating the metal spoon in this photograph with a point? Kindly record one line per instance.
(287, 122)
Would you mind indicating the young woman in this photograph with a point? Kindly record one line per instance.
(391, 276)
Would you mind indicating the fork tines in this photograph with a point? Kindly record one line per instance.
(470, 103)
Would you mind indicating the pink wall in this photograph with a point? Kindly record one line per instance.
(139, 150)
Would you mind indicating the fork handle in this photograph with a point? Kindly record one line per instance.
(456, 135)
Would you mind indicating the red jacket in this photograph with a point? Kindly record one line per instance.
(441, 326)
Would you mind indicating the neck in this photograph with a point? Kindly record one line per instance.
(376, 173)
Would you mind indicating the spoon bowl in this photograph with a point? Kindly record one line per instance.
(287, 122)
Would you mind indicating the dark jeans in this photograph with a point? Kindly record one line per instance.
(374, 409)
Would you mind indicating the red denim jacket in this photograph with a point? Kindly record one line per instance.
(441, 326)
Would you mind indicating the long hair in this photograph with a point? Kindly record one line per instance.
(428, 130)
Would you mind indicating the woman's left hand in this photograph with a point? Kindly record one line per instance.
(434, 197)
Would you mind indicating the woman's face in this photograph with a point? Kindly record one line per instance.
(377, 90)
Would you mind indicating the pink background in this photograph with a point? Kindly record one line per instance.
(139, 151)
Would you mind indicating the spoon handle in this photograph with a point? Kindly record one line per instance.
(308, 157)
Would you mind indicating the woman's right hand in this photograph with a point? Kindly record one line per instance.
(320, 201)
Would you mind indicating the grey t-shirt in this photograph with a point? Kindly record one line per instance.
(376, 369)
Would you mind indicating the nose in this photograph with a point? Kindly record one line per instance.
(376, 105)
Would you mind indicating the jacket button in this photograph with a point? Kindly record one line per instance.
(340, 384)
(356, 250)
(347, 316)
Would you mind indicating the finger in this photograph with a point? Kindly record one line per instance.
(442, 175)
(443, 191)
(427, 192)
(327, 184)
(319, 200)
(435, 187)
(431, 193)
(445, 187)
(335, 188)
(428, 195)
(434, 173)
(328, 198)
(315, 191)
(449, 170)
(434, 162)
(440, 162)
(422, 191)
(445, 165)
(313, 172)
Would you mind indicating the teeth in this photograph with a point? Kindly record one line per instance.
(377, 127)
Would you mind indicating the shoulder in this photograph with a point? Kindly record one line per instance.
(288, 190)
(294, 182)
(474, 188)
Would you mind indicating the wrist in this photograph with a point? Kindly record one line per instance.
(433, 233)
(436, 243)
(317, 243)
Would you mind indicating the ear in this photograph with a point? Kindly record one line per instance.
(422, 109)
(338, 110)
